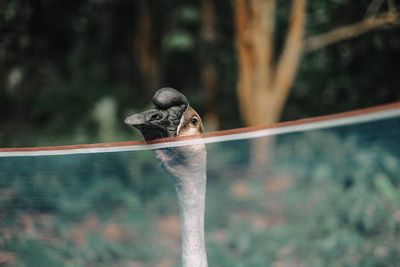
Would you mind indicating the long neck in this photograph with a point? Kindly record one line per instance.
(191, 197)
(188, 167)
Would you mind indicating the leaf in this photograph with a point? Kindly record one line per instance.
(387, 189)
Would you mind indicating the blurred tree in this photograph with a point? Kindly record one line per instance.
(263, 86)
(145, 47)
(373, 21)
(265, 79)
(208, 58)
(354, 64)
(58, 61)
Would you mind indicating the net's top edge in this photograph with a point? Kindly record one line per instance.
(380, 112)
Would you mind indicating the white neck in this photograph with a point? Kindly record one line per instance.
(188, 167)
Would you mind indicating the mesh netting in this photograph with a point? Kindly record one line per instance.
(310, 197)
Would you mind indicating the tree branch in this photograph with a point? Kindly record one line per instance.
(287, 65)
(388, 19)
(263, 40)
(373, 8)
(243, 18)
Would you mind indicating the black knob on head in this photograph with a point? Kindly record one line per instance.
(168, 97)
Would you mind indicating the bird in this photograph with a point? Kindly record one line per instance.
(172, 116)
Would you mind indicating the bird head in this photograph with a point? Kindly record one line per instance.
(172, 116)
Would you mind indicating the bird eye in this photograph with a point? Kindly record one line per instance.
(194, 120)
(155, 116)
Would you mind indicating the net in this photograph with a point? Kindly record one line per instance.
(322, 192)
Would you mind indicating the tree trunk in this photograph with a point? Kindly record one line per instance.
(255, 21)
(144, 48)
(264, 86)
(208, 57)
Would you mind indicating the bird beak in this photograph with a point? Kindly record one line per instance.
(149, 123)
(136, 120)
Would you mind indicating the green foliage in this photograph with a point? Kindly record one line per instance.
(350, 197)
(82, 210)
(339, 206)
(180, 41)
(31, 252)
(387, 189)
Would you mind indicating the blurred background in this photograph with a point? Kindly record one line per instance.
(71, 71)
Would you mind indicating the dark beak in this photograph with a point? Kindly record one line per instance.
(149, 123)
(136, 120)
(142, 119)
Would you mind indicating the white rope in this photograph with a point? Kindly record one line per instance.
(336, 122)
